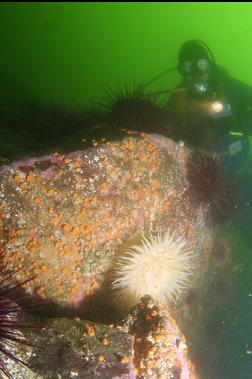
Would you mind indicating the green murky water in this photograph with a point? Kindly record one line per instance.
(71, 52)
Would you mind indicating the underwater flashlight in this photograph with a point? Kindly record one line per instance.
(217, 107)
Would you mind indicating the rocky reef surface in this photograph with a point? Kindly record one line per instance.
(67, 219)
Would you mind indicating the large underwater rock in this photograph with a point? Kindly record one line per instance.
(147, 345)
(67, 219)
(64, 217)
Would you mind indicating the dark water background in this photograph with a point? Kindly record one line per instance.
(69, 53)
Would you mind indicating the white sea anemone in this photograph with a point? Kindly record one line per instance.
(162, 267)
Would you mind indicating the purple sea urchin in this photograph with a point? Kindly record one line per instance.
(208, 183)
(11, 315)
(161, 267)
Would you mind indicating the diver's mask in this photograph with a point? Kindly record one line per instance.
(196, 74)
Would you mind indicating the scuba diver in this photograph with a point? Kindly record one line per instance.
(213, 111)
(209, 108)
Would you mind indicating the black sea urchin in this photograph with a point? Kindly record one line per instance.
(208, 183)
(11, 315)
(136, 109)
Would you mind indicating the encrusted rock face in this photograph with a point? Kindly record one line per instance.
(159, 349)
(64, 217)
(82, 349)
(147, 345)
